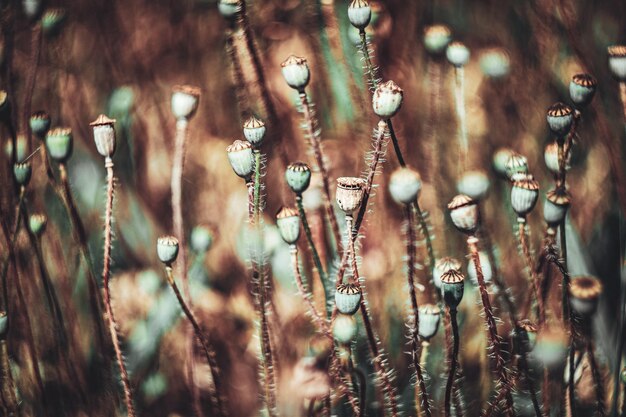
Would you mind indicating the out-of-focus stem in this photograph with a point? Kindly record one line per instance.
(534, 278)
(459, 96)
(622, 96)
(419, 215)
(11, 244)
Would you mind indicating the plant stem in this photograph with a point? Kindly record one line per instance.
(534, 278)
(452, 359)
(217, 392)
(415, 339)
(238, 78)
(106, 272)
(9, 398)
(597, 378)
(419, 215)
(459, 95)
(11, 244)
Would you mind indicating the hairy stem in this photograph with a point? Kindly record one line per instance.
(534, 278)
(598, 382)
(452, 359)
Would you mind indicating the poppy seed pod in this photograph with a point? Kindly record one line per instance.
(405, 185)
(296, 72)
(22, 173)
(313, 197)
(516, 167)
(452, 287)
(241, 158)
(560, 117)
(584, 295)
(437, 38)
(500, 159)
(524, 194)
(201, 238)
(551, 347)
(430, 316)
(387, 99)
(37, 223)
(464, 214)
(52, 21)
(288, 223)
(344, 328)
(485, 266)
(185, 101)
(582, 88)
(229, 9)
(495, 63)
(474, 184)
(555, 207)
(349, 193)
(617, 61)
(298, 177)
(167, 249)
(254, 131)
(458, 54)
(4, 324)
(359, 13)
(442, 266)
(39, 123)
(104, 135)
(348, 298)
(59, 144)
(551, 158)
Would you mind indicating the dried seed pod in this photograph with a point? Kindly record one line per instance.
(437, 38)
(485, 265)
(464, 214)
(349, 193)
(452, 287)
(39, 123)
(500, 159)
(344, 329)
(201, 238)
(405, 185)
(241, 158)
(167, 249)
(298, 177)
(474, 184)
(555, 207)
(387, 99)
(60, 143)
(495, 63)
(516, 167)
(430, 316)
(104, 135)
(551, 158)
(359, 13)
(296, 72)
(524, 194)
(288, 223)
(582, 89)
(560, 117)
(22, 173)
(52, 21)
(184, 101)
(254, 131)
(584, 294)
(442, 266)
(348, 298)
(617, 61)
(551, 347)
(37, 223)
(458, 54)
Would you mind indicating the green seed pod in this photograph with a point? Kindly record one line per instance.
(452, 286)
(516, 167)
(560, 117)
(229, 9)
(22, 173)
(359, 13)
(37, 223)
(500, 158)
(4, 325)
(458, 54)
(52, 21)
(22, 148)
(524, 195)
(296, 72)
(442, 266)
(344, 329)
(298, 177)
(555, 207)
(405, 185)
(254, 131)
(617, 61)
(167, 249)
(584, 295)
(348, 298)
(201, 238)
(59, 143)
(582, 89)
(104, 135)
(288, 223)
(495, 63)
(349, 194)
(485, 265)
(39, 124)
(437, 38)
(241, 158)
(474, 184)
(387, 99)
(551, 347)
(464, 214)
(184, 101)
(430, 316)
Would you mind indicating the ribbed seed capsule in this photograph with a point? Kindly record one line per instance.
(241, 158)
(359, 13)
(524, 195)
(298, 177)
(22, 173)
(167, 249)
(405, 185)
(458, 54)
(387, 99)
(430, 316)
(437, 38)
(500, 159)
(464, 213)
(59, 144)
(184, 101)
(516, 167)
(349, 194)
(452, 288)
(474, 184)
(560, 117)
(617, 61)
(555, 207)
(582, 89)
(584, 294)
(288, 223)
(344, 328)
(348, 298)
(296, 72)
(104, 135)
(37, 223)
(254, 131)
(39, 123)
(442, 266)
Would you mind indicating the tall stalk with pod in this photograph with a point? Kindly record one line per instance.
(458, 54)
(452, 287)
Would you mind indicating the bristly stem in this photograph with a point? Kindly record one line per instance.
(459, 95)
(453, 358)
(106, 272)
(217, 392)
(238, 78)
(415, 339)
(598, 383)
(534, 278)
(419, 215)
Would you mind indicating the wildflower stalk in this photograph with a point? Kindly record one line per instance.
(415, 339)
(459, 96)
(453, 359)
(417, 212)
(534, 278)
(238, 78)
(597, 378)
(106, 274)
(217, 392)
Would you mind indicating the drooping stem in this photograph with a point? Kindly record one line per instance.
(415, 339)
(452, 359)
(459, 96)
(534, 278)
(217, 392)
(106, 273)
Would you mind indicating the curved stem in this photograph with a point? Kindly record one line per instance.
(534, 278)
(106, 271)
(452, 359)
